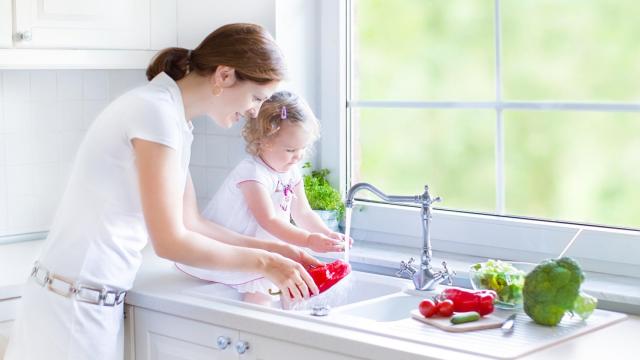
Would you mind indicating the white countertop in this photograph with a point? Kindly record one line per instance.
(159, 286)
(16, 261)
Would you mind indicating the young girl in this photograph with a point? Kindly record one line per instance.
(265, 190)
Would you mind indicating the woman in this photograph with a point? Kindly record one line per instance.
(130, 182)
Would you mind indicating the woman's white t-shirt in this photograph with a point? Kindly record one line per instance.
(229, 208)
(99, 229)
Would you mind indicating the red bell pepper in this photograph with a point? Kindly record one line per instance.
(327, 275)
(470, 300)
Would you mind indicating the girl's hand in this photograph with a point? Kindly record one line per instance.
(290, 277)
(322, 243)
(340, 236)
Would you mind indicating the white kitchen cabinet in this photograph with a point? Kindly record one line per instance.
(5, 23)
(114, 24)
(163, 336)
(264, 348)
(129, 333)
(93, 24)
(8, 310)
(84, 33)
(159, 336)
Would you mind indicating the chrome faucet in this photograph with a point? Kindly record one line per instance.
(424, 278)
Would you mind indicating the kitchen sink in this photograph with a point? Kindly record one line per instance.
(355, 288)
(389, 308)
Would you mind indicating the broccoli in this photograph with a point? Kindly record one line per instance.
(551, 289)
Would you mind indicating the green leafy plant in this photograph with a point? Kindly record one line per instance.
(321, 195)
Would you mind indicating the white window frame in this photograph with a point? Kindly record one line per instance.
(599, 248)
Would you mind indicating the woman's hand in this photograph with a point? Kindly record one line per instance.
(290, 277)
(296, 254)
(323, 243)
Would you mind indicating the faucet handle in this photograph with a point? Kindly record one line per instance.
(446, 273)
(406, 267)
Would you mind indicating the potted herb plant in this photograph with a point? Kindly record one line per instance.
(323, 198)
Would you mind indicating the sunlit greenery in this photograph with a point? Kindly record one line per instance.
(569, 50)
(425, 147)
(566, 165)
(573, 165)
(420, 49)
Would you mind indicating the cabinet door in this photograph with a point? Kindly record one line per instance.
(264, 348)
(89, 24)
(8, 310)
(159, 336)
(5, 24)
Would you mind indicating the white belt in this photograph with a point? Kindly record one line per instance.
(82, 292)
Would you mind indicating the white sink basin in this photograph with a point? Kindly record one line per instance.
(357, 287)
(389, 308)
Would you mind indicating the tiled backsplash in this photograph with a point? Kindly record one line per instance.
(44, 116)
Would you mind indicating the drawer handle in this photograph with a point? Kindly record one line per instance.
(223, 342)
(242, 347)
(24, 36)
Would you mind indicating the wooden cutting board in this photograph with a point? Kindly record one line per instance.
(486, 322)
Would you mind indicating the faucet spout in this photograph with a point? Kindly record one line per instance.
(388, 198)
(424, 278)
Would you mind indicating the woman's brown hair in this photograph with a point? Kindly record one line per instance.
(248, 48)
(280, 107)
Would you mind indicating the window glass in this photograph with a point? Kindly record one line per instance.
(571, 50)
(576, 166)
(570, 150)
(400, 151)
(423, 50)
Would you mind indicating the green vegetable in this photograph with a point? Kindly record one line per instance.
(502, 277)
(550, 290)
(584, 305)
(320, 193)
(465, 317)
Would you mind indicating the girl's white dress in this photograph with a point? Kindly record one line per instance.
(229, 208)
(99, 229)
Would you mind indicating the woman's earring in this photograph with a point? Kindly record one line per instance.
(217, 90)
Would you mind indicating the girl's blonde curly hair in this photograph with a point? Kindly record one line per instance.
(280, 107)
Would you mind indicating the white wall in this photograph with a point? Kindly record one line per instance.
(43, 117)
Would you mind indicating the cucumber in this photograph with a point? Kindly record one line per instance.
(465, 317)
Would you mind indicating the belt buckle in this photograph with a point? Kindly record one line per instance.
(81, 294)
(120, 297)
(113, 298)
(51, 286)
(110, 298)
(40, 275)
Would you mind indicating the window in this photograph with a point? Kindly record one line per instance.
(526, 108)
(521, 114)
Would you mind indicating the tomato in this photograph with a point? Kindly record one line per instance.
(427, 308)
(445, 308)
